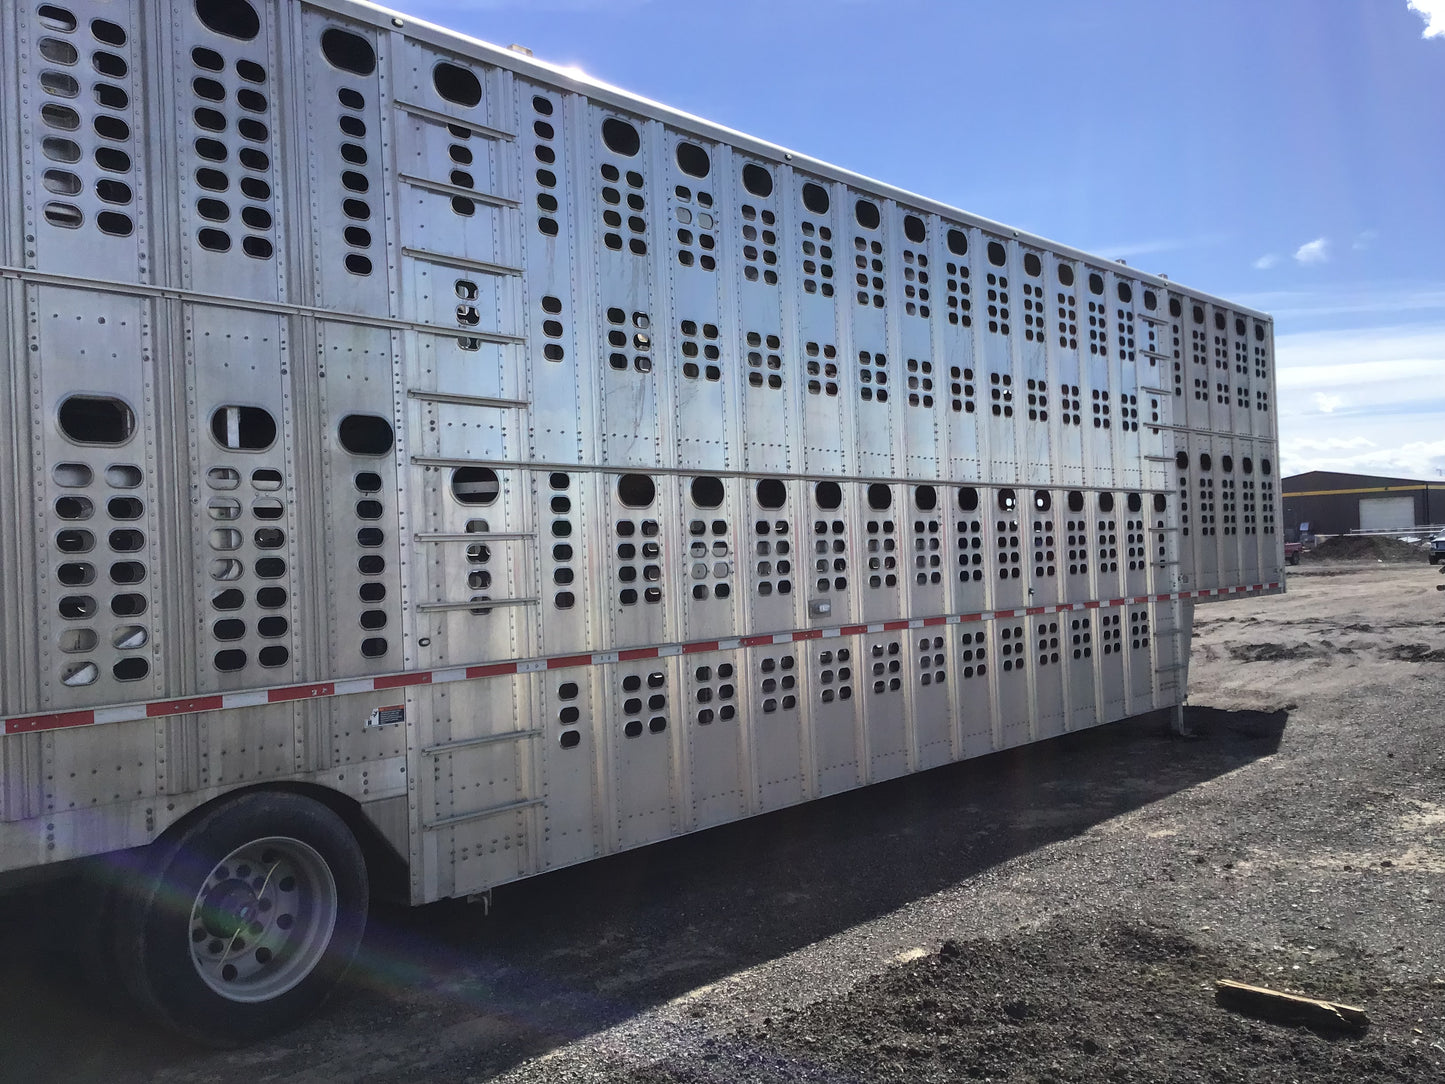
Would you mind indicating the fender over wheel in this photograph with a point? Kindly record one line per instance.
(245, 919)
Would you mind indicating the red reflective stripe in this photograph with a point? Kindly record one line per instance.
(559, 663)
(928, 622)
(1032, 610)
(808, 634)
(852, 630)
(497, 669)
(693, 649)
(894, 626)
(637, 653)
(400, 681)
(183, 707)
(756, 641)
(31, 723)
(970, 617)
(306, 692)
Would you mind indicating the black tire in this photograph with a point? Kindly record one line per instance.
(245, 919)
(1292, 559)
(1434, 558)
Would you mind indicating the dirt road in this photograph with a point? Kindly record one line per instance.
(1053, 913)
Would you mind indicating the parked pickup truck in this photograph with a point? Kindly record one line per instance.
(1292, 551)
(1437, 549)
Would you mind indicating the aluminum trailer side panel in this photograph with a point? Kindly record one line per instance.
(544, 470)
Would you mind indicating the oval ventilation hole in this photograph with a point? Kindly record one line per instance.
(129, 637)
(60, 150)
(828, 495)
(757, 180)
(80, 673)
(707, 492)
(229, 661)
(53, 17)
(475, 485)
(76, 607)
(74, 641)
(243, 428)
(866, 213)
(347, 51)
(636, 490)
(621, 138)
(772, 493)
(229, 18)
(271, 598)
(457, 85)
(693, 160)
(958, 242)
(72, 475)
(64, 215)
(57, 51)
(815, 198)
(1033, 266)
(997, 254)
(130, 669)
(365, 434)
(88, 419)
(73, 541)
(130, 605)
(60, 84)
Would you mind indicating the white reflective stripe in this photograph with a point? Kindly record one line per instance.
(355, 685)
(531, 666)
(126, 714)
(248, 699)
(442, 677)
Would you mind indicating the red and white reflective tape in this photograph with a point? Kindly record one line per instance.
(157, 709)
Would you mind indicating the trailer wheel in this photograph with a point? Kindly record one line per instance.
(247, 919)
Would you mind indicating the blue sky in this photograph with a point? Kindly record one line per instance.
(1288, 154)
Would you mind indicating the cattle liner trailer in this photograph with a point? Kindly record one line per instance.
(413, 448)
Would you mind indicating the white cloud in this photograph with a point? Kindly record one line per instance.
(1433, 12)
(1265, 262)
(1316, 251)
(1297, 307)
(1160, 244)
(1367, 400)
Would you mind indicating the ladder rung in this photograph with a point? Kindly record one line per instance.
(443, 189)
(481, 604)
(457, 399)
(485, 739)
(490, 811)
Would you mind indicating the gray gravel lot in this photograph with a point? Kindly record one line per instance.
(1085, 894)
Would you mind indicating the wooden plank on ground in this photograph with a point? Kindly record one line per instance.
(1289, 1008)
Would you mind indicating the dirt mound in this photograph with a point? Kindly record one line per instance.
(1417, 653)
(1117, 1001)
(1366, 548)
(1273, 652)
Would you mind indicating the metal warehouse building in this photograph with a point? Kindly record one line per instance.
(1332, 503)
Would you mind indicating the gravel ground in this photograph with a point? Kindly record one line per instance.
(1056, 913)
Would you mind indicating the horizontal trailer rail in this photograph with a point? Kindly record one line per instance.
(155, 709)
